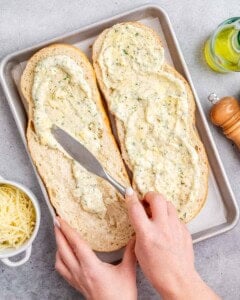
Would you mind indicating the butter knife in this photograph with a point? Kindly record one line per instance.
(84, 157)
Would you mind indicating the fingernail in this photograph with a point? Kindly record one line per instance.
(129, 191)
(56, 223)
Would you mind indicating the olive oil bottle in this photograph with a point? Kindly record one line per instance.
(222, 49)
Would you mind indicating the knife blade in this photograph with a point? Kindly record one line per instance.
(84, 157)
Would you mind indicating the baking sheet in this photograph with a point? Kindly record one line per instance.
(220, 212)
(214, 212)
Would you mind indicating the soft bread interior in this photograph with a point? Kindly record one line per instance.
(154, 111)
(60, 87)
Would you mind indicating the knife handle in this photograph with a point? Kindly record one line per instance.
(122, 191)
(116, 184)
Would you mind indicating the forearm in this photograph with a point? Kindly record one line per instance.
(193, 288)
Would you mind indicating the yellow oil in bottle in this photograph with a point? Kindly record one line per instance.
(222, 50)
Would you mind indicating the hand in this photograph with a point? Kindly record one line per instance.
(81, 268)
(164, 249)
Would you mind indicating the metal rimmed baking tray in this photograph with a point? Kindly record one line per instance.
(221, 212)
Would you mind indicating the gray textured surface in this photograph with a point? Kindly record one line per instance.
(24, 23)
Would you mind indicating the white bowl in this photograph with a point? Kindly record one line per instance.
(27, 246)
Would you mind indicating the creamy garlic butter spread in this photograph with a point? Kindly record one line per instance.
(62, 96)
(154, 108)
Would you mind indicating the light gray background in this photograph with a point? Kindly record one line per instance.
(25, 23)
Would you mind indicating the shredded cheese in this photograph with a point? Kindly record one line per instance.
(17, 217)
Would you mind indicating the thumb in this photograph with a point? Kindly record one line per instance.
(129, 257)
(136, 212)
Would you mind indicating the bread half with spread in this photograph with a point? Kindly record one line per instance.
(60, 87)
(154, 111)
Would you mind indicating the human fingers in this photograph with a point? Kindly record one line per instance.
(62, 268)
(136, 212)
(158, 206)
(129, 257)
(66, 253)
(172, 212)
(81, 249)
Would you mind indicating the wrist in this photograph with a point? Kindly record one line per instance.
(189, 287)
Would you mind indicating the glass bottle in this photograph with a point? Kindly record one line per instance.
(222, 49)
